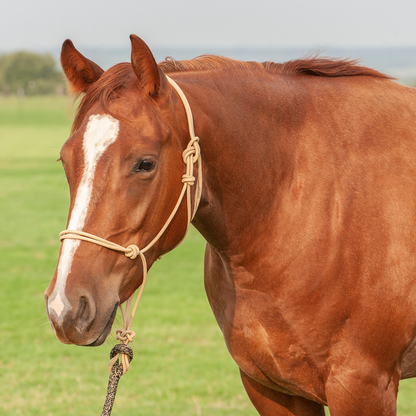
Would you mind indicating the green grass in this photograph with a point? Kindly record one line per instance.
(181, 365)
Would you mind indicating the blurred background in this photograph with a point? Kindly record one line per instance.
(379, 32)
(181, 364)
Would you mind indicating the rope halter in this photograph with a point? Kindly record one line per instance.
(190, 155)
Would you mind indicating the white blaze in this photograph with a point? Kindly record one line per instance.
(101, 131)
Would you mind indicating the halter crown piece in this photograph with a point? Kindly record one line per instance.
(190, 155)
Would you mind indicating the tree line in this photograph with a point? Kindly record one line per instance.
(25, 73)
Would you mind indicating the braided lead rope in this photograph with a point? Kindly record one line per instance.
(190, 155)
(115, 375)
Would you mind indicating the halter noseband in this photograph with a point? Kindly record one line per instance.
(190, 156)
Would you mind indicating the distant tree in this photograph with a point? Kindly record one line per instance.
(35, 74)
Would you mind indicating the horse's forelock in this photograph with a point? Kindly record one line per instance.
(112, 80)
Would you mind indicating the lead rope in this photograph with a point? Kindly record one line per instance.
(191, 155)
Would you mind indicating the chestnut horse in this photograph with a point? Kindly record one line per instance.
(308, 208)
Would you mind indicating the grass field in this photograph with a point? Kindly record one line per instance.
(181, 365)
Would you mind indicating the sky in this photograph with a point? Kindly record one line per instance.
(43, 25)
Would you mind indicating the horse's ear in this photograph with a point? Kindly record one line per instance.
(145, 67)
(79, 71)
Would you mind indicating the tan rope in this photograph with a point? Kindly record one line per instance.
(126, 335)
(131, 251)
(190, 155)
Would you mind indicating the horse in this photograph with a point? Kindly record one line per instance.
(308, 208)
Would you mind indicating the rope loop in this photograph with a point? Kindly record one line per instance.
(122, 349)
(126, 354)
(125, 335)
(132, 251)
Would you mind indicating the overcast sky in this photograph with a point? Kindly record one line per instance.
(43, 25)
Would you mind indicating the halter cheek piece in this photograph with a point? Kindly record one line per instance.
(190, 156)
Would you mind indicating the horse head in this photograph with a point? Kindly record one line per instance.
(124, 167)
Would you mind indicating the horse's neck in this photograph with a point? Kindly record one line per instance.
(241, 160)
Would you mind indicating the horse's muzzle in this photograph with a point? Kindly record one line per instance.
(79, 323)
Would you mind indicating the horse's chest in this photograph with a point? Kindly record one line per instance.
(269, 349)
(259, 339)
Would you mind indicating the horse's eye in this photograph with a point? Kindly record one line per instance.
(146, 165)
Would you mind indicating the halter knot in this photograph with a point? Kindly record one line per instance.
(133, 251)
(189, 179)
(193, 150)
(125, 335)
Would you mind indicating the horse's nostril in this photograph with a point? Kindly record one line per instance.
(86, 313)
(82, 306)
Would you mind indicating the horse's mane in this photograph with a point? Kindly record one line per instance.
(315, 65)
(116, 77)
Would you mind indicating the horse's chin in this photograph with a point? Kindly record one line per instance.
(100, 340)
